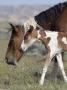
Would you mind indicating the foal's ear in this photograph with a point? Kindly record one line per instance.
(31, 29)
(37, 28)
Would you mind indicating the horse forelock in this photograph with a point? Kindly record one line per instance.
(30, 22)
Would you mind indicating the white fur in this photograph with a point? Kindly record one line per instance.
(43, 76)
(25, 46)
(60, 63)
(38, 34)
(64, 40)
(53, 44)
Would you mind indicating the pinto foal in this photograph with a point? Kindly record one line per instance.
(55, 42)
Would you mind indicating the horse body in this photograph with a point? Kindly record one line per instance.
(61, 22)
(53, 19)
(55, 43)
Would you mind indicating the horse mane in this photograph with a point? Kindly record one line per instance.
(51, 14)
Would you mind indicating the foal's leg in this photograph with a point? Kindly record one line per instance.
(47, 62)
(55, 68)
(60, 63)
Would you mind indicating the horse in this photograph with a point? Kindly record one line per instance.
(14, 53)
(53, 19)
(55, 42)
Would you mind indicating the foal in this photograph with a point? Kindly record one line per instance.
(55, 43)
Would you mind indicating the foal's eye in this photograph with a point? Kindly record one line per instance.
(26, 37)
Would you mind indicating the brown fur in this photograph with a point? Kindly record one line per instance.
(54, 19)
(46, 40)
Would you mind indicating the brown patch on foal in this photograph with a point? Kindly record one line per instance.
(44, 37)
(45, 40)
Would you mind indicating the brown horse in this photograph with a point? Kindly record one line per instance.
(55, 42)
(53, 19)
(14, 52)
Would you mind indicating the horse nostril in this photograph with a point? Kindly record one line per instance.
(24, 49)
(6, 58)
(10, 62)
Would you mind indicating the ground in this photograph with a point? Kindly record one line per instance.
(25, 76)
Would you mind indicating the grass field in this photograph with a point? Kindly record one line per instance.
(24, 76)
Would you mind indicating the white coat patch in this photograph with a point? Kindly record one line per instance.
(25, 46)
(64, 40)
(38, 34)
(53, 42)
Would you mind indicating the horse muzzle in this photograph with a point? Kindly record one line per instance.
(11, 61)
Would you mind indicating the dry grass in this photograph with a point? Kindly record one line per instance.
(23, 77)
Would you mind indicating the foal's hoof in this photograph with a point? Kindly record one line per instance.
(41, 82)
(66, 80)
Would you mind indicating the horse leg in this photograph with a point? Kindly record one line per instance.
(47, 62)
(60, 63)
(55, 69)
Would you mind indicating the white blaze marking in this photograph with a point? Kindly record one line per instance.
(38, 34)
(64, 40)
(25, 46)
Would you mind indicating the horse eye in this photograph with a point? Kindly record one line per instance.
(26, 37)
(12, 40)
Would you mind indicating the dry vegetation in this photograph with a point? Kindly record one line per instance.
(24, 77)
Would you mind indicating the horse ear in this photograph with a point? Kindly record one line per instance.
(12, 26)
(31, 28)
(23, 30)
(37, 28)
